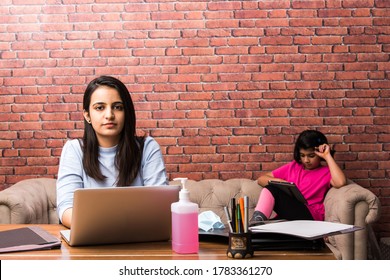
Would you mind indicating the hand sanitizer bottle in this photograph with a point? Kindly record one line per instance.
(185, 239)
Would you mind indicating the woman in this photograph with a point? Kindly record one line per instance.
(110, 154)
(311, 177)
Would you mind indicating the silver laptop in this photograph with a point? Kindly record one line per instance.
(121, 215)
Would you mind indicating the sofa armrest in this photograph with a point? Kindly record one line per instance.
(31, 201)
(354, 205)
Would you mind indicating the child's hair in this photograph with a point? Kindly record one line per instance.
(309, 139)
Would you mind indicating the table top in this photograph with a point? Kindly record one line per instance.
(208, 250)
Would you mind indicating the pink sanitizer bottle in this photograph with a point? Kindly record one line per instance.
(185, 239)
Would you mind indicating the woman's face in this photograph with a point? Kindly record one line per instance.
(106, 115)
(309, 159)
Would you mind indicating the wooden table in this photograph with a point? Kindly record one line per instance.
(148, 251)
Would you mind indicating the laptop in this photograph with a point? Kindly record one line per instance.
(121, 215)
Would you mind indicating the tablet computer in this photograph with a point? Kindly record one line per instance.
(289, 188)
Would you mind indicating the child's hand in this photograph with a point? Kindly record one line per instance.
(322, 151)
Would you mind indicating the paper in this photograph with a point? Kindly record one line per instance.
(306, 229)
(26, 239)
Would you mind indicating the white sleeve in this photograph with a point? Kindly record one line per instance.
(70, 175)
(152, 166)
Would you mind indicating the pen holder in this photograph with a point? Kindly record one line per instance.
(240, 245)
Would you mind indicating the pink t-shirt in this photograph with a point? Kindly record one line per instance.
(313, 184)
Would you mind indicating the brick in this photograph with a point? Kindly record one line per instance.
(336, 85)
(12, 162)
(356, 21)
(351, 76)
(358, 3)
(272, 22)
(363, 39)
(307, 22)
(207, 158)
(194, 141)
(281, 49)
(177, 159)
(30, 170)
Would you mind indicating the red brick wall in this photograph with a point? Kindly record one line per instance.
(224, 86)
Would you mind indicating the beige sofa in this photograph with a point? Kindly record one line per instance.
(33, 201)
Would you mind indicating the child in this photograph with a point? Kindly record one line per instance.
(311, 177)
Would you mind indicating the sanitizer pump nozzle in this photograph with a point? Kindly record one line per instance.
(184, 194)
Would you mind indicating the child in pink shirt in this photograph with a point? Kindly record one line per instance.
(311, 177)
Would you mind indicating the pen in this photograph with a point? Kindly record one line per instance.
(246, 221)
(233, 211)
(239, 221)
(242, 213)
(229, 220)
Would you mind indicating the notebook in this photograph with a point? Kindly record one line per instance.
(121, 215)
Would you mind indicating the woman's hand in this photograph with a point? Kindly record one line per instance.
(67, 217)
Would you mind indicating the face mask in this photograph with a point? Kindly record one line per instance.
(208, 221)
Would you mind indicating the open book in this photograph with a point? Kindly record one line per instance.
(26, 239)
(305, 228)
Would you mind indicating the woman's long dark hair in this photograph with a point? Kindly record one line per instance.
(309, 139)
(130, 147)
